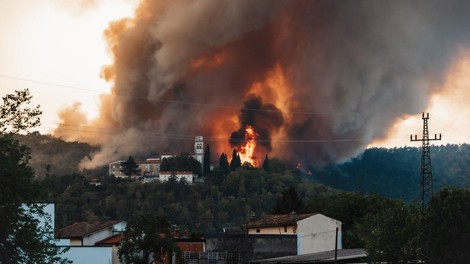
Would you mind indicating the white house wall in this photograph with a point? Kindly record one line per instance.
(91, 239)
(90, 255)
(317, 233)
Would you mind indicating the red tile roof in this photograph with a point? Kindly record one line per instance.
(82, 229)
(112, 240)
(277, 220)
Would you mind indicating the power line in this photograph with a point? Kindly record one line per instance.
(48, 83)
(96, 130)
(175, 101)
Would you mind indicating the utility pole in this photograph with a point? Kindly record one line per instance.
(426, 170)
(426, 184)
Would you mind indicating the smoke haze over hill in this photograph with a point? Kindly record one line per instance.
(319, 80)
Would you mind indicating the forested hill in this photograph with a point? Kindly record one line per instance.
(395, 173)
(53, 156)
(392, 173)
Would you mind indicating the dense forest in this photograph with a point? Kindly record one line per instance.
(228, 198)
(395, 173)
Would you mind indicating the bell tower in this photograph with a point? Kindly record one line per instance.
(199, 150)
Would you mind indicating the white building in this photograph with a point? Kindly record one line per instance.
(315, 232)
(92, 242)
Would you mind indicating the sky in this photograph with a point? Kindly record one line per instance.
(56, 49)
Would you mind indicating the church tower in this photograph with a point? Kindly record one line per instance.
(199, 150)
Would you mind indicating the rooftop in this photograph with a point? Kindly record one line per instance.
(277, 220)
(82, 229)
(112, 240)
(343, 256)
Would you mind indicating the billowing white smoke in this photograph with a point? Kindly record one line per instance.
(182, 68)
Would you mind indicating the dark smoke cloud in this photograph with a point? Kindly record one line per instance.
(352, 68)
(264, 118)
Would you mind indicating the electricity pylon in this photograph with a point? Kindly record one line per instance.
(426, 170)
(426, 187)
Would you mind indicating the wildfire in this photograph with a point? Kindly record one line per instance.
(247, 151)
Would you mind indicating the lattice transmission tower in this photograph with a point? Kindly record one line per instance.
(426, 170)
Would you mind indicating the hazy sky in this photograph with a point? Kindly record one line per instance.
(59, 45)
(56, 49)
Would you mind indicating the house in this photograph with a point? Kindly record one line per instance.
(279, 224)
(89, 232)
(92, 241)
(315, 232)
(114, 168)
(150, 168)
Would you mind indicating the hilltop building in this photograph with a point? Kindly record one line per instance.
(150, 168)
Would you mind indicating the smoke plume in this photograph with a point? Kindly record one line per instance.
(319, 80)
(264, 118)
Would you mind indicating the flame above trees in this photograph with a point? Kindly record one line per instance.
(247, 151)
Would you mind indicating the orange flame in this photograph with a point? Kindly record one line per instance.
(213, 61)
(247, 152)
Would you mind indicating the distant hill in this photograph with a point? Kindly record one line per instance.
(395, 173)
(391, 173)
(53, 155)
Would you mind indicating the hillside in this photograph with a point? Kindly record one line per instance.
(395, 173)
(51, 155)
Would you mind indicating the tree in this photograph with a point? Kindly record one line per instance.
(147, 236)
(390, 236)
(15, 115)
(266, 163)
(448, 227)
(182, 162)
(207, 160)
(288, 202)
(129, 167)
(23, 238)
(236, 161)
(224, 166)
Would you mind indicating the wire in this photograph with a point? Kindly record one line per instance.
(76, 128)
(175, 101)
(48, 83)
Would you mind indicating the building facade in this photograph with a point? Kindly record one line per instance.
(150, 168)
(314, 232)
(317, 233)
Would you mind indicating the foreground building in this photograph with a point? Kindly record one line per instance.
(92, 241)
(314, 232)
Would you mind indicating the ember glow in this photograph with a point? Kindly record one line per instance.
(316, 81)
(247, 151)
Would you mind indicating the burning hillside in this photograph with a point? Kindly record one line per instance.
(303, 80)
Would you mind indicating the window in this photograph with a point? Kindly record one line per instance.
(285, 229)
(257, 230)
